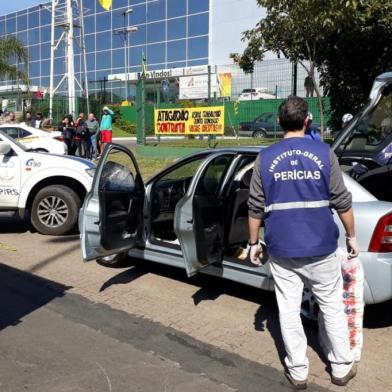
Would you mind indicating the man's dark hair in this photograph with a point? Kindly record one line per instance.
(292, 113)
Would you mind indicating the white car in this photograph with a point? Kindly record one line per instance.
(254, 94)
(36, 139)
(48, 189)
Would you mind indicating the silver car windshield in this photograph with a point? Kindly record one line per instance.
(4, 137)
(373, 133)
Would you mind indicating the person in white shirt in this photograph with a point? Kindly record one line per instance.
(4, 105)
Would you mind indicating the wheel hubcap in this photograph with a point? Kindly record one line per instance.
(309, 306)
(52, 211)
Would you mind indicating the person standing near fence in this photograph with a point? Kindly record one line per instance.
(93, 127)
(68, 132)
(309, 86)
(294, 185)
(4, 105)
(106, 127)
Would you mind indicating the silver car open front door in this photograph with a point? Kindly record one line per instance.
(199, 215)
(111, 217)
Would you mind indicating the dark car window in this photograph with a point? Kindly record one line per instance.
(11, 132)
(118, 174)
(24, 133)
(267, 117)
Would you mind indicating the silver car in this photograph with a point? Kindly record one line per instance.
(193, 215)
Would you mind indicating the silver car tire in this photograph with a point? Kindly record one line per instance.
(55, 210)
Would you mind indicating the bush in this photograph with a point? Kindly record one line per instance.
(126, 126)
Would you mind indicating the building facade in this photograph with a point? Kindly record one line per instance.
(174, 35)
(171, 33)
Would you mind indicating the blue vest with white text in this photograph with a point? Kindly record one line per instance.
(295, 175)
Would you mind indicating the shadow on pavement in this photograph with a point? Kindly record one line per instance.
(125, 277)
(63, 239)
(13, 306)
(13, 225)
(378, 316)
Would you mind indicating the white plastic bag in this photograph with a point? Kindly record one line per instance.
(353, 291)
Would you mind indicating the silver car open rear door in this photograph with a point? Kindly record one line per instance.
(111, 218)
(199, 215)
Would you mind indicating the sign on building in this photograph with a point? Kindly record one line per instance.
(208, 120)
(196, 87)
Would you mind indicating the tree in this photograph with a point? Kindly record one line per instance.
(297, 29)
(347, 41)
(13, 51)
(354, 56)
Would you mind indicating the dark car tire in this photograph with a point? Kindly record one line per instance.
(309, 309)
(115, 261)
(62, 202)
(259, 134)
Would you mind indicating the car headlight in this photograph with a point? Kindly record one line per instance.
(91, 172)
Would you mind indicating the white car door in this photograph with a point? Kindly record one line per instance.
(111, 218)
(9, 178)
(199, 215)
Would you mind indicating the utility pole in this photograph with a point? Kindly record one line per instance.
(68, 16)
(294, 78)
(123, 34)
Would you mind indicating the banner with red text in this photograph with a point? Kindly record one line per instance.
(190, 121)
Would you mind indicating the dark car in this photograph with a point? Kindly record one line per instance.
(266, 125)
(262, 126)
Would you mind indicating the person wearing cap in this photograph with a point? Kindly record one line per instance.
(106, 127)
(311, 133)
(295, 184)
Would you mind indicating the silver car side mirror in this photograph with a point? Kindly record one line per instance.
(5, 148)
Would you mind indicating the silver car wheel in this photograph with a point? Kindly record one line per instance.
(52, 211)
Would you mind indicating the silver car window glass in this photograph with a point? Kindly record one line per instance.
(210, 182)
(374, 131)
(118, 173)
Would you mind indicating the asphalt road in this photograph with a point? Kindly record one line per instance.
(54, 341)
(65, 324)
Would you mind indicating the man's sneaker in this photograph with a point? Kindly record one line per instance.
(343, 381)
(297, 384)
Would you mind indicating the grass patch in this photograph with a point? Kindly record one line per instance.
(118, 132)
(154, 157)
(150, 166)
(201, 144)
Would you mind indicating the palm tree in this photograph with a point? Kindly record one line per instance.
(13, 51)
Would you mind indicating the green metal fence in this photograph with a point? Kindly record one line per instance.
(235, 111)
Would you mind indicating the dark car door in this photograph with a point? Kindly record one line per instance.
(111, 217)
(199, 215)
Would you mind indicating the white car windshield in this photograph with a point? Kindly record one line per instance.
(6, 138)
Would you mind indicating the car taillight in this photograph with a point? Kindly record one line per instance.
(382, 236)
(60, 138)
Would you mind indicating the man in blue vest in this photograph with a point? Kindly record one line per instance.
(295, 184)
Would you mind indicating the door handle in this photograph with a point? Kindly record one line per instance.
(190, 221)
